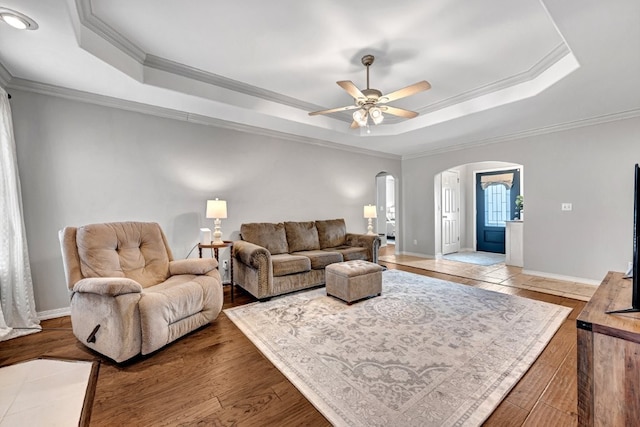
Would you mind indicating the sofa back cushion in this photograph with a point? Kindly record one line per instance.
(266, 234)
(331, 233)
(302, 236)
(135, 250)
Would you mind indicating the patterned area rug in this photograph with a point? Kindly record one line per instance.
(425, 353)
(478, 258)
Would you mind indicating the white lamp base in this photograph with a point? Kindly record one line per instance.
(217, 233)
(370, 228)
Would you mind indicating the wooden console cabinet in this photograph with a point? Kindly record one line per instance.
(609, 357)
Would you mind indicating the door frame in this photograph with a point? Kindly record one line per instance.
(457, 203)
(475, 207)
(381, 206)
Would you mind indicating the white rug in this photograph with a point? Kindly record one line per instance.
(478, 258)
(425, 353)
(45, 392)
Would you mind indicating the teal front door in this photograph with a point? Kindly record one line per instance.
(496, 193)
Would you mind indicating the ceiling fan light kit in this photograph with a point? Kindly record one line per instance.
(368, 103)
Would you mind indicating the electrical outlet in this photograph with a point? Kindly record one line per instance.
(567, 206)
(225, 264)
(415, 242)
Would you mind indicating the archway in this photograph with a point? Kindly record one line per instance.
(467, 212)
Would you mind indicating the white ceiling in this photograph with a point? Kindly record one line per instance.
(498, 68)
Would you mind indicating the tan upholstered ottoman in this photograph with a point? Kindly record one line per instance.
(353, 280)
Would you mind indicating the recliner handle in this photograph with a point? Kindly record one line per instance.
(92, 335)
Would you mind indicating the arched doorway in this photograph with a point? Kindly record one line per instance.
(450, 200)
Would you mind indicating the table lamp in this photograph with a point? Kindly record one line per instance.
(217, 209)
(370, 213)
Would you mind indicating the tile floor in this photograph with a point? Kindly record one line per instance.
(499, 274)
(43, 392)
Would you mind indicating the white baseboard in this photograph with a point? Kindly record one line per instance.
(52, 314)
(582, 280)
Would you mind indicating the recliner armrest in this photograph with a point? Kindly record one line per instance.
(250, 254)
(197, 266)
(110, 286)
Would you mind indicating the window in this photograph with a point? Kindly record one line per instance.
(497, 209)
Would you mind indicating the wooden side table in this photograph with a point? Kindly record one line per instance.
(216, 247)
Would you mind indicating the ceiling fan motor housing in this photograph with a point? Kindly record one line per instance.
(372, 96)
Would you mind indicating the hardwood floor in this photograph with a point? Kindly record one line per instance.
(215, 376)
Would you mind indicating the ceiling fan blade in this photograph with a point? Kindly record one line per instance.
(404, 92)
(399, 112)
(351, 89)
(334, 110)
(354, 125)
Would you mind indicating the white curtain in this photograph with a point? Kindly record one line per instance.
(17, 307)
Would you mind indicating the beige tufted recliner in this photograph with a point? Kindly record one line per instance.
(128, 294)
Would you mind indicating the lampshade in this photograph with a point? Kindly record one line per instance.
(216, 208)
(370, 211)
(360, 117)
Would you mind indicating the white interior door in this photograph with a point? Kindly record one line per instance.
(450, 212)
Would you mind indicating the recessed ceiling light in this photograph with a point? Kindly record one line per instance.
(17, 19)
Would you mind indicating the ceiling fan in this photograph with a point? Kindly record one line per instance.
(371, 102)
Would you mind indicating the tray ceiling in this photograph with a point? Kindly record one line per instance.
(498, 68)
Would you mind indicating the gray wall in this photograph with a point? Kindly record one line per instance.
(591, 167)
(81, 163)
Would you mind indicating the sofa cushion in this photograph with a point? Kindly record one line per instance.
(302, 236)
(266, 234)
(320, 259)
(350, 253)
(284, 264)
(135, 250)
(331, 233)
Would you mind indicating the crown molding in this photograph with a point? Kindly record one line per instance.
(108, 33)
(606, 118)
(179, 69)
(102, 29)
(5, 76)
(88, 19)
(107, 101)
(92, 98)
(538, 68)
(210, 121)
(138, 107)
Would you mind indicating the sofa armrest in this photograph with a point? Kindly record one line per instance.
(197, 266)
(250, 254)
(368, 241)
(254, 269)
(109, 286)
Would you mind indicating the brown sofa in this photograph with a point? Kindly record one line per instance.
(274, 259)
